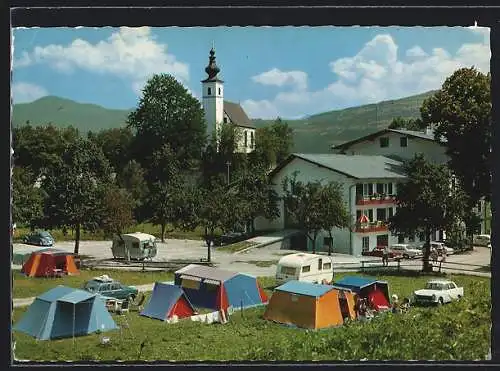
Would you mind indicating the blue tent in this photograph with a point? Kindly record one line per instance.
(166, 301)
(65, 312)
(218, 289)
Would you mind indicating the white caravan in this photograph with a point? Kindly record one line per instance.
(139, 246)
(304, 267)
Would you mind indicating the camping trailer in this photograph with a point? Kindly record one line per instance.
(138, 246)
(304, 267)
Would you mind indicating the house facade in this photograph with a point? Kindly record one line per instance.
(219, 111)
(369, 189)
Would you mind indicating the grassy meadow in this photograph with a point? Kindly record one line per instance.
(456, 331)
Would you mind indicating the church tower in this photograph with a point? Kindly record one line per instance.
(213, 96)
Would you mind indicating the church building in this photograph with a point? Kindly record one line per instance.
(219, 111)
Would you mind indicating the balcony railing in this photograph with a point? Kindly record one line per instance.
(375, 199)
(378, 226)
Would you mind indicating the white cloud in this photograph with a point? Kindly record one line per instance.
(377, 73)
(23, 92)
(131, 53)
(276, 77)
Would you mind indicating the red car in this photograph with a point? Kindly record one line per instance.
(379, 250)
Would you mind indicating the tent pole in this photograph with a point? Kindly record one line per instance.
(74, 315)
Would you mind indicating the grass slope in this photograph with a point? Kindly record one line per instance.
(64, 112)
(313, 135)
(456, 331)
(317, 133)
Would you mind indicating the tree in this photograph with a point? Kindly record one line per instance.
(303, 202)
(256, 197)
(332, 209)
(168, 114)
(461, 112)
(27, 200)
(117, 210)
(426, 202)
(132, 178)
(408, 124)
(273, 144)
(115, 144)
(75, 189)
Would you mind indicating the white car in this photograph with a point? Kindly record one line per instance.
(406, 251)
(438, 292)
(440, 246)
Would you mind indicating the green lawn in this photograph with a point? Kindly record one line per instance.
(457, 331)
(24, 287)
(238, 246)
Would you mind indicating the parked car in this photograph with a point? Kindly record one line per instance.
(441, 246)
(106, 286)
(438, 292)
(407, 251)
(379, 250)
(482, 240)
(39, 238)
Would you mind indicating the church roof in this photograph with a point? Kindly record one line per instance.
(237, 115)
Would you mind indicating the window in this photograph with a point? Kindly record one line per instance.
(306, 269)
(390, 212)
(358, 215)
(370, 215)
(320, 264)
(252, 139)
(389, 188)
(209, 91)
(219, 91)
(403, 141)
(359, 189)
(288, 271)
(367, 189)
(246, 138)
(384, 142)
(383, 240)
(380, 188)
(115, 286)
(365, 244)
(381, 214)
(327, 266)
(225, 120)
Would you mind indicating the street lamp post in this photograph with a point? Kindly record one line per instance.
(228, 164)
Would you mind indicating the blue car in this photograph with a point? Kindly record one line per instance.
(39, 238)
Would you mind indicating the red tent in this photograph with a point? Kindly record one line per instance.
(49, 263)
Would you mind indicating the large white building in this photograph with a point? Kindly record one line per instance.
(219, 112)
(369, 168)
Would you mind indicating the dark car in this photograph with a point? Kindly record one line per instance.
(39, 238)
(109, 287)
(229, 238)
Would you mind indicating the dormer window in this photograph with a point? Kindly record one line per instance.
(404, 141)
(209, 91)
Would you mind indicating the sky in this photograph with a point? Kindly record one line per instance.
(291, 72)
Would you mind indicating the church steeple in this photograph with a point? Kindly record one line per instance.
(212, 70)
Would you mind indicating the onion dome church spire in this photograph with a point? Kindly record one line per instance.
(212, 70)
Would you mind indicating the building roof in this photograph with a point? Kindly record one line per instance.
(298, 259)
(237, 115)
(353, 166)
(201, 271)
(304, 288)
(411, 133)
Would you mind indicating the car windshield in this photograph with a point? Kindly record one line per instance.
(91, 286)
(434, 286)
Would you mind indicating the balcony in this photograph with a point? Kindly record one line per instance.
(377, 226)
(375, 200)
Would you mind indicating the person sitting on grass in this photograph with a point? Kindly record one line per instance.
(395, 304)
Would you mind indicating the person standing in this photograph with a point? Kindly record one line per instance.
(385, 256)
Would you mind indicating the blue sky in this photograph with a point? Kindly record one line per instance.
(272, 71)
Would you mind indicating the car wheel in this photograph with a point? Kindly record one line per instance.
(459, 297)
(131, 298)
(440, 301)
(405, 256)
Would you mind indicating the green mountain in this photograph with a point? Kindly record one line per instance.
(64, 112)
(314, 134)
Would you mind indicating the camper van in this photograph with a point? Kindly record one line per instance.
(138, 246)
(304, 267)
(482, 240)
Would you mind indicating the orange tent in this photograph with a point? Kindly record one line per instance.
(49, 263)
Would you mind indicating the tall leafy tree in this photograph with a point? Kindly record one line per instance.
(168, 114)
(117, 210)
(333, 210)
(75, 189)
(461, 111)
(273, 144)
(408, 124)
(132, 178)
(426, 202)
(115, 144)
(27, 199)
